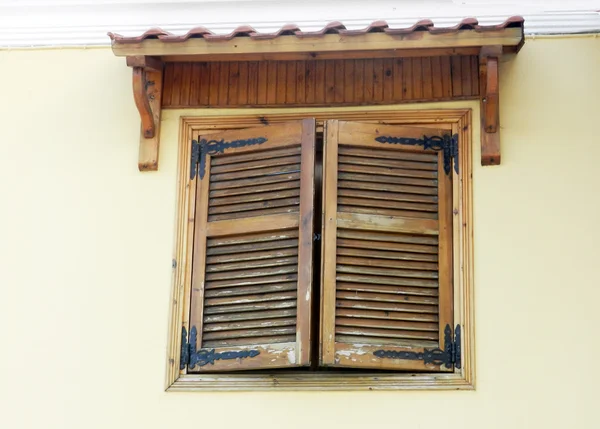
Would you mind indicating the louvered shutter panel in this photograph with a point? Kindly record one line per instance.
(387, 248)
(252, 266)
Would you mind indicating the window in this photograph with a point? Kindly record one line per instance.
(324, 251)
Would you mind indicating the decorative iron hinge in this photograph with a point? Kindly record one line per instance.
(184, 358)
(451, 355)
(203, 147)
(194, 158)
(192, 357)
(447, 143)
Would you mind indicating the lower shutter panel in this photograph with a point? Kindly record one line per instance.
(387, 261)
(251, 289)
(253, 250)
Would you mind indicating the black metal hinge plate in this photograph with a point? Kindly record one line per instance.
(191, 357)
(451, 355)
(184, 358)
(447, 143)
(202, 148)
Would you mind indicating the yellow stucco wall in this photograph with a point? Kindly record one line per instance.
(86, 245)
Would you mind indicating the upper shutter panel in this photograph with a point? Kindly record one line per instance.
(387, 247)
(252, 267)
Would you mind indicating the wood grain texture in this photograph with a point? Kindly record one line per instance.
(252, 267)
(305, 247)
(300, 47)
(489, 104)
(152, 87)
(385, 253)
(337, 82)
(457, 120)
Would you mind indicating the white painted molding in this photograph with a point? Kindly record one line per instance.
(25, 23)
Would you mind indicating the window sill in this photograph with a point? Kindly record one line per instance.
(320, 381)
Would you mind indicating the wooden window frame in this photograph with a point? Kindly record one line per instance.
(457, 120)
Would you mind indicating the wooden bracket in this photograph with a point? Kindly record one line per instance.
(490, 98)
(147, 93)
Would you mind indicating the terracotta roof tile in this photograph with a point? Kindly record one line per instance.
(331, 28)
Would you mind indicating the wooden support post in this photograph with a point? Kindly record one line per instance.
(490, 98)
(147, 92)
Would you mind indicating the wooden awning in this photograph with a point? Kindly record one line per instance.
(148, 52)
(333, 41)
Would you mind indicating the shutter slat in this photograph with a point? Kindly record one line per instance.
(381, 161)
(255, 213)
(252, 165)
(386, 333)
(275, 236)
(251, 290)
(385, 212)
(346, 251)
(270, 262)
(363, 179)
(219, 309)
(386, 315)
(392, 197)
(221, 196)
(260, 323)
(251, 281)
(386, 324)
(400, 245)
(257, 196)
(393, 289)
(386, 306)
(252, 247)
(374, 262)
(251, 315)
(249, 256)
(232, 342)
(242, 185)
(388, 187)
(385, 276)
(248, 299)
(378, 236)
(386, 154)
(246, 333)
(251, 156)
(368, 201)
(259, 172)
(400, 281)
(386, 297)
(249, 207)
(385, 171)
(346, 341)
(362, 269)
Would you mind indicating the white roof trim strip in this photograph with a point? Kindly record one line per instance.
(86, 22)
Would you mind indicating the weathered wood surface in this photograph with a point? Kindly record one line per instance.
(387, 266)
(252, 268)
(320, 83)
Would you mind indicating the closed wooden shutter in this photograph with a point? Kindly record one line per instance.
(387, 247)
(252, 265)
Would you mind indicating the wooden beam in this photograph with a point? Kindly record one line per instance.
(142, 102)
(334, 55)
(147, 92)
(507, 37)
(145, 62)
(489, 105)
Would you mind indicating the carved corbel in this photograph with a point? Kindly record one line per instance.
(489, 106)
(147, 93)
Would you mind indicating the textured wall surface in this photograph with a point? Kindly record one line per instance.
(86, 245)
